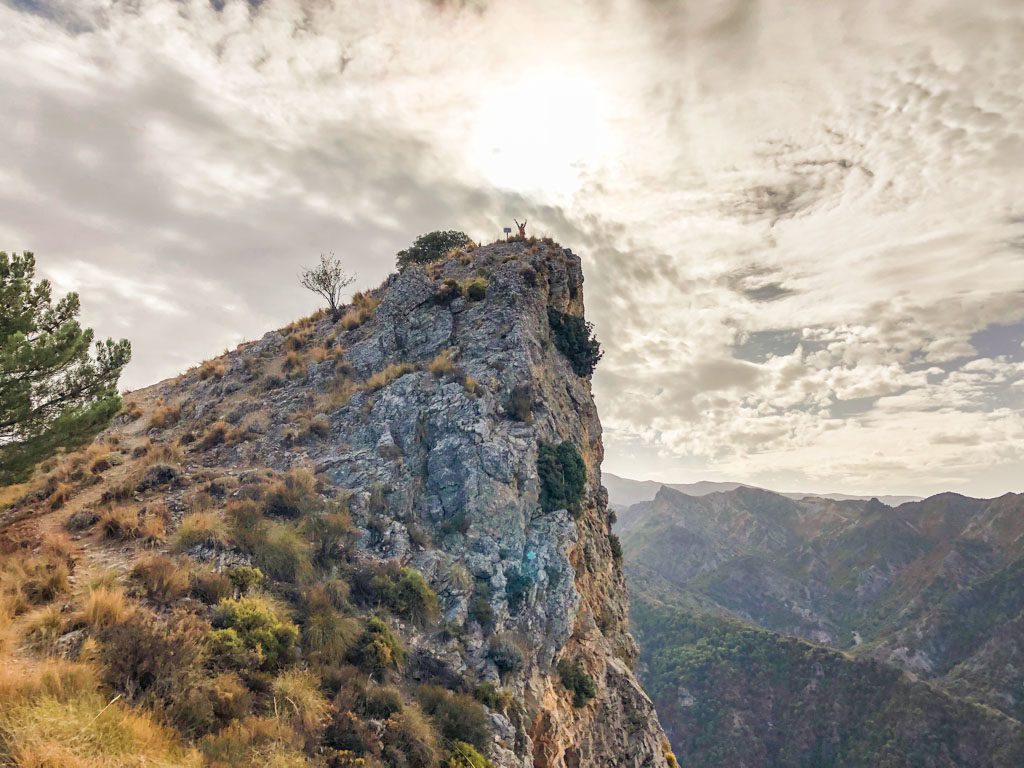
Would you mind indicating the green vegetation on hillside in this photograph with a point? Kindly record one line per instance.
(563, 476)
(731, 694)
(53, 394)
(574, 338)
(431, 246)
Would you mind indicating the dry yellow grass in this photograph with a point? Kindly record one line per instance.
(299, 701)
(82, 729)
(42, 627)
(363, 308)
(212, 369)
(60, 495)
(106, 607)
(161, 453)
(10, 494)
(31, 580)
(388, 375)
(217, 433)
(337, 396)
(162, 579)
(131, 411)
(442, 365)
(204, 527)
(165, 415)
(120, 522)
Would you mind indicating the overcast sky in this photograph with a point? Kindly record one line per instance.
(801, 222)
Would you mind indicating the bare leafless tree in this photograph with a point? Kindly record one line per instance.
(327, 279)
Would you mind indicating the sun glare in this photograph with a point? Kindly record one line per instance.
(541, 134)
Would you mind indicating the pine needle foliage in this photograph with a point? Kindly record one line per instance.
(53, 394)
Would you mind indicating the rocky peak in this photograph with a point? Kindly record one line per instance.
(427, 406)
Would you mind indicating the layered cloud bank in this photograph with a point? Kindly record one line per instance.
(802, 222)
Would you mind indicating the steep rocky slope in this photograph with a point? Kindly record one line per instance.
(420, 416)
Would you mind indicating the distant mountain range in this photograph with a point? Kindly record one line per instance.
(848, 630)
(623, 492)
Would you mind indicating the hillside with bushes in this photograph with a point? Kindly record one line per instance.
(369, 539)
(731, 694)
(791, 597)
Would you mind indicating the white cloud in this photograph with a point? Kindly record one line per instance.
(839, 178)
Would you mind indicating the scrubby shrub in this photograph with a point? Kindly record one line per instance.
(476, 289)
(106, 607)
(210, 586)
(517, 589)
(81, 520)
(161, 579)
(563, 476)
(277, 549)
(244, 578)
(616, 547)
(212, 369)
(520, 406)
(294, 495)
(431, 247)
(105, 462)
(448, 292)
(379, 702)
(283, 555)
(272, 381)
(465, 755)
(248, 630)
(245, 522)
(158, 661)
(576, 680)
(328, 636)
(349, 734)
(341, 390)
(574, 338)
(200, 528)
(299, 701)
(216, 434)
(481, 611)
(42, 628)
(378, 649)
(152, 529)
(120, 523)
(131, 411)
(158, 474)
(165, 416)
(458, 716)
(363, 307)
(42, 577)
(255, 742)
(411, 597)
(410, 742)
(490, 695)
(506, 655)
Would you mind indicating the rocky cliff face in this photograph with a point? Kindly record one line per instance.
(425, 407)
(464, 460)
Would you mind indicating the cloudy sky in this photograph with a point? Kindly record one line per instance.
(801, 221)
